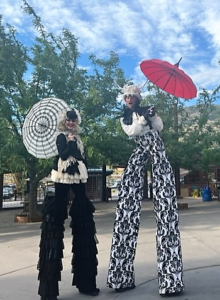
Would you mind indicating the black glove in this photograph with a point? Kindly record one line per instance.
(127, 116)
(146, 112)
(152, 111)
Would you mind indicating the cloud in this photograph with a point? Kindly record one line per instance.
(135, 30)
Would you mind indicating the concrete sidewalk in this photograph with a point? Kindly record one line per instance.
(200, 236)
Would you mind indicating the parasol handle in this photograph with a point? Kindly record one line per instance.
(177, 64)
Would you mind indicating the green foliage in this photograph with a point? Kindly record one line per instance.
(49, 68)
(171, 110)
(190, 133)
(201, 139)
(101, 130)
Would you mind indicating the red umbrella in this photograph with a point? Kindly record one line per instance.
(169, 78)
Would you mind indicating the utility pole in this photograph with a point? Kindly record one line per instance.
(104, 182)
(1, 191)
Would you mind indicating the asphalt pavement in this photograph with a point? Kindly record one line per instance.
(200, 238)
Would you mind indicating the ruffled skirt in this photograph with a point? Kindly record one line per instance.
(84, 260)
(84, 249)
(51, 249)
(66, 178)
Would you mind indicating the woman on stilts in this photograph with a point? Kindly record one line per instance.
(69, 172)
(144, 125)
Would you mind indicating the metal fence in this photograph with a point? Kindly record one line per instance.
(18, 200)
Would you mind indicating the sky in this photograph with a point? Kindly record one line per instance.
(135, 30)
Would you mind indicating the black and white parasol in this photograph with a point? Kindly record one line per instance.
(40, 126)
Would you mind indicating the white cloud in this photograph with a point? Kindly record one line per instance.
(137, 30)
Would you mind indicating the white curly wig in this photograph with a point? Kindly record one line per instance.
(62, 118)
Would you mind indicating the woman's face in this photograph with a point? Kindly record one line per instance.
(70, 124)
(131, 101)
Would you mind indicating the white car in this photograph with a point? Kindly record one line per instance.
(8, 193)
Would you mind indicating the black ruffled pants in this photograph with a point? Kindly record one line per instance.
(84, 260)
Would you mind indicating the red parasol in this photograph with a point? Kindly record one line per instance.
(169, 78)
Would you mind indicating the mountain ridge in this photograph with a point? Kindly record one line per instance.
(214, 115)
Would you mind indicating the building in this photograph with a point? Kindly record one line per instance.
(194, 181)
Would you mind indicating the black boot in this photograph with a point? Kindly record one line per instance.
(93, 293)
(49, 298)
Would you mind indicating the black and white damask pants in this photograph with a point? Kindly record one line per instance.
(127, 219)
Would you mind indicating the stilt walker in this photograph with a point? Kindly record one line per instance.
(143, 124)
(68, 172)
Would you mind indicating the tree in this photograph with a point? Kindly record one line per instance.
(103, 137)
(52, 63)
(49, 68)
(171, 109)
(201, 142)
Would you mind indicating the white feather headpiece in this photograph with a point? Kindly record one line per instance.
(130, 89)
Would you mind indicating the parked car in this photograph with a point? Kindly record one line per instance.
(8, 192)
(11, 187)
(116, 185)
